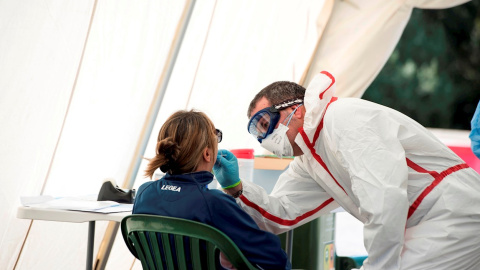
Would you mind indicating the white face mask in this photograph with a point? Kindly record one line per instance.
(278, 142)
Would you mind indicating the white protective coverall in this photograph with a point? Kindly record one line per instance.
(419, 202)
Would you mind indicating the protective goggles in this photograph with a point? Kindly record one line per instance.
(264, 121)
(219, 134)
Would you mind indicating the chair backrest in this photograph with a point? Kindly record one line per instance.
(161, 242)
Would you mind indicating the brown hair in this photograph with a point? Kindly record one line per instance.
(277, 93)
(181, 141)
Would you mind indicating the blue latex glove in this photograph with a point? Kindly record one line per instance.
(226, 169)
(475, 133)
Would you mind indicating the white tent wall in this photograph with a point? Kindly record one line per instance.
(96, 65)
(42, 45)
(124, 56)
(40, 52)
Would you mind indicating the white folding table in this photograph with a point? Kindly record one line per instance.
(37, 213)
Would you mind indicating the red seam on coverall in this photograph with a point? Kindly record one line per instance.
(287, 222)
(438, 177)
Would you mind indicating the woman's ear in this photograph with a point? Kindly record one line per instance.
(207, 154)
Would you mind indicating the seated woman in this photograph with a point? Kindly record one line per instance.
(186, 151)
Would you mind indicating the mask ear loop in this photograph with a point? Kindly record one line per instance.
(291, 115)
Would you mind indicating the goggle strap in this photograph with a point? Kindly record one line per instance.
(288, 103)
(291, 115)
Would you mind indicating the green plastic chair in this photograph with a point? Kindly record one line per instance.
(159, 241)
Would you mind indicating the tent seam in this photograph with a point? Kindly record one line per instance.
(62, 127)
(70, 99)
(201, 56)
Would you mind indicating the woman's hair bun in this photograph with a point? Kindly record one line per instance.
(169, 150)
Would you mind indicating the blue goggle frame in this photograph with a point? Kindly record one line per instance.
(263, 122)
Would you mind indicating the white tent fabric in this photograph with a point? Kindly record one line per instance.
(360, 37)
(77, 79)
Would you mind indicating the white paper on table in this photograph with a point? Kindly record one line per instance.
(122, 207)
(85, 203)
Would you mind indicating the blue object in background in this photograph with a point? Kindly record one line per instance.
(359, 260)
(475, 133)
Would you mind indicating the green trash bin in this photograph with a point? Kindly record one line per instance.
(313, 244)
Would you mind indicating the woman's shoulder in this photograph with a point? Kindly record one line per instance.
(215, 194)
(145, 186)
(217, 197)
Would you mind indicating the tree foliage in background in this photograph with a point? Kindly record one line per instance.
(433, 75)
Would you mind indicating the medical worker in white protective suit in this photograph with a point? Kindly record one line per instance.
(419, 202)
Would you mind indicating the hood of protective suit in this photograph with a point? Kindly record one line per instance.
(317, 97)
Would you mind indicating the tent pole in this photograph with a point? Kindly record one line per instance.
(111, 231)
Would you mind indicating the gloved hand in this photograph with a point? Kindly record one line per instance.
(226, 169)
